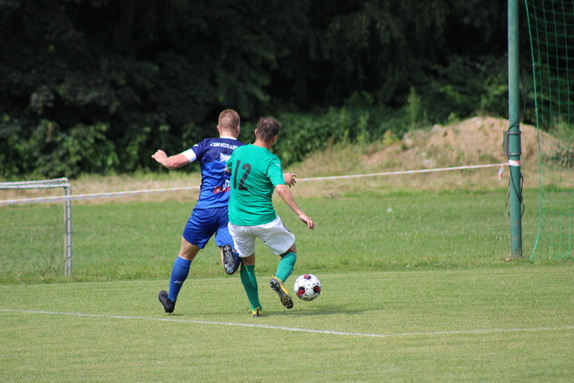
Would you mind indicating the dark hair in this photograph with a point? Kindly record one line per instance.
(267, 128)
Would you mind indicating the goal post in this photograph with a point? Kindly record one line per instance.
(512, 136)
(16, 189)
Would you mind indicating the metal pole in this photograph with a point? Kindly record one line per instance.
(513, 143)
(68, 229)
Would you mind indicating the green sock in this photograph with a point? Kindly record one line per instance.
(286, 266)
(249, 281)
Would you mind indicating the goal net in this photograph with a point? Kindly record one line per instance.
(35, 238)
(551, 27)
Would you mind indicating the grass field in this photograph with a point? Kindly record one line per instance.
(354, 232)
(417, 287)
(479, 325)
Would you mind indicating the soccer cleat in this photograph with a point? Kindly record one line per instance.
(257, 312)
(230, 260)
(168, 304)
(281, 291)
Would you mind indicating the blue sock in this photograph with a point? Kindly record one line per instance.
(179, 274)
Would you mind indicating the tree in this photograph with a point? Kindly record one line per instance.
(129, 76)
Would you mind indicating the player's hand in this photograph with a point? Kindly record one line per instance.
(159, 156)
(307, 221)
(289, 179)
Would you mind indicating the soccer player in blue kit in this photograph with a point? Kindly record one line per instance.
(209, 215)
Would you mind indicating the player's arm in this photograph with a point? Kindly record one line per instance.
(171, 162)
(287, 197)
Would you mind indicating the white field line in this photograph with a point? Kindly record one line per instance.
(295, 329)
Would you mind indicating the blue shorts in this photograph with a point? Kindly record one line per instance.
(204, 223)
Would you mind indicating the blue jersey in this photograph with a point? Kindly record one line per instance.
(212, 153)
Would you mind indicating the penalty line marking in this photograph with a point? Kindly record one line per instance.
(295, 329)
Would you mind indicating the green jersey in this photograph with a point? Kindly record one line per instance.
(255, 172)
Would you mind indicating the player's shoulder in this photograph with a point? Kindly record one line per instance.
(210, 140)
(271, 161)
(235, 142)
(219, 143)
(244, 148)
(272, 157)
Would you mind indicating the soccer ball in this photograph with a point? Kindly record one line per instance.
(307, 287)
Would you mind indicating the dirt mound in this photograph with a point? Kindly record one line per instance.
(476, 141)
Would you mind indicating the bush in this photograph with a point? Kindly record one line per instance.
(306, 133)
(46, 151)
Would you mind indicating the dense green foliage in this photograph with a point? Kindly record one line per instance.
(96, 86)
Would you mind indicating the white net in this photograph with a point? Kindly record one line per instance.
(35, 239)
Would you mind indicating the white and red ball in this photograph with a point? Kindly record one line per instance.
(307, 287)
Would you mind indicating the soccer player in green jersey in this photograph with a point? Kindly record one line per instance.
(255, 174)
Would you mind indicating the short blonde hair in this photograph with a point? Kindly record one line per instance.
(229, 119)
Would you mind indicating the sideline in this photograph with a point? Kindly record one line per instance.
(295, 329)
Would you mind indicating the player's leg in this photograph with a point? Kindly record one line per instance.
(229, 257)
(179, 273)
(249, 282)
(245, 244)
(197, 232)
(281, 242)
(286, 264)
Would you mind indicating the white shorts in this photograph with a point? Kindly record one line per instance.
(274, 234)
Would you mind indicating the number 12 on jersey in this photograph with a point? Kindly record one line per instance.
(247, 168)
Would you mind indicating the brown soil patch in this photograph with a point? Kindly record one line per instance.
(477, 141)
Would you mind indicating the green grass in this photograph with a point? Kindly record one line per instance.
(478, 325)
(368, 231)
(32, 240)
(416, 288)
